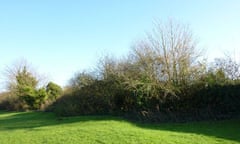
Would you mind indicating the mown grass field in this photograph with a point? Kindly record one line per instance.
(43, 128)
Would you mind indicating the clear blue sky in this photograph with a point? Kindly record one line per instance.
(63, 37)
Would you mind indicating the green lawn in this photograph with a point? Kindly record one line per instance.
(40, 127)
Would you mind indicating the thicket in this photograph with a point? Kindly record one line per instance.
(162, 79)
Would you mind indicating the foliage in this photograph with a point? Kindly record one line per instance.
(24, 92)
(9, 102)
(26, 89)
(53, 90)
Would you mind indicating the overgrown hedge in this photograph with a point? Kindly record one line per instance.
(201, 103)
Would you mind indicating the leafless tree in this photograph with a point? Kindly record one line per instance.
(170, 52)
(229, 66)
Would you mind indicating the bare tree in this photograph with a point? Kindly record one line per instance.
(170, 51)
(168, 59)
(229, 66)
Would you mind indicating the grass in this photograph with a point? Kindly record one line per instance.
(41, 128)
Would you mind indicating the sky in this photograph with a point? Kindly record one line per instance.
(62, 37)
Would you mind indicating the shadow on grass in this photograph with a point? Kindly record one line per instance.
(229, 129)
(23, 120)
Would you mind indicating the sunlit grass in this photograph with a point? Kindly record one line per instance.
(40, 127)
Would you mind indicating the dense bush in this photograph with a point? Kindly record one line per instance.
(100, 97)
(10, 103)
(217, 101)
(200, 101)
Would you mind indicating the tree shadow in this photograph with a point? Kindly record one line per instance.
(229, 129)
(31, 120)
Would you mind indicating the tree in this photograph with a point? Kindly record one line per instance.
(23, 85)
(53, 90)
(229, 66)
(81, 80)
(26, 88)
(20, 72)
(167, 58)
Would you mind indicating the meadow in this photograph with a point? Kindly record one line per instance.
(43, 127)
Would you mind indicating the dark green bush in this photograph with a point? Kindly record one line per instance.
(195, 102)
(11, 103)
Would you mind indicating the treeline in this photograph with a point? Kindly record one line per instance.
(163, 78)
